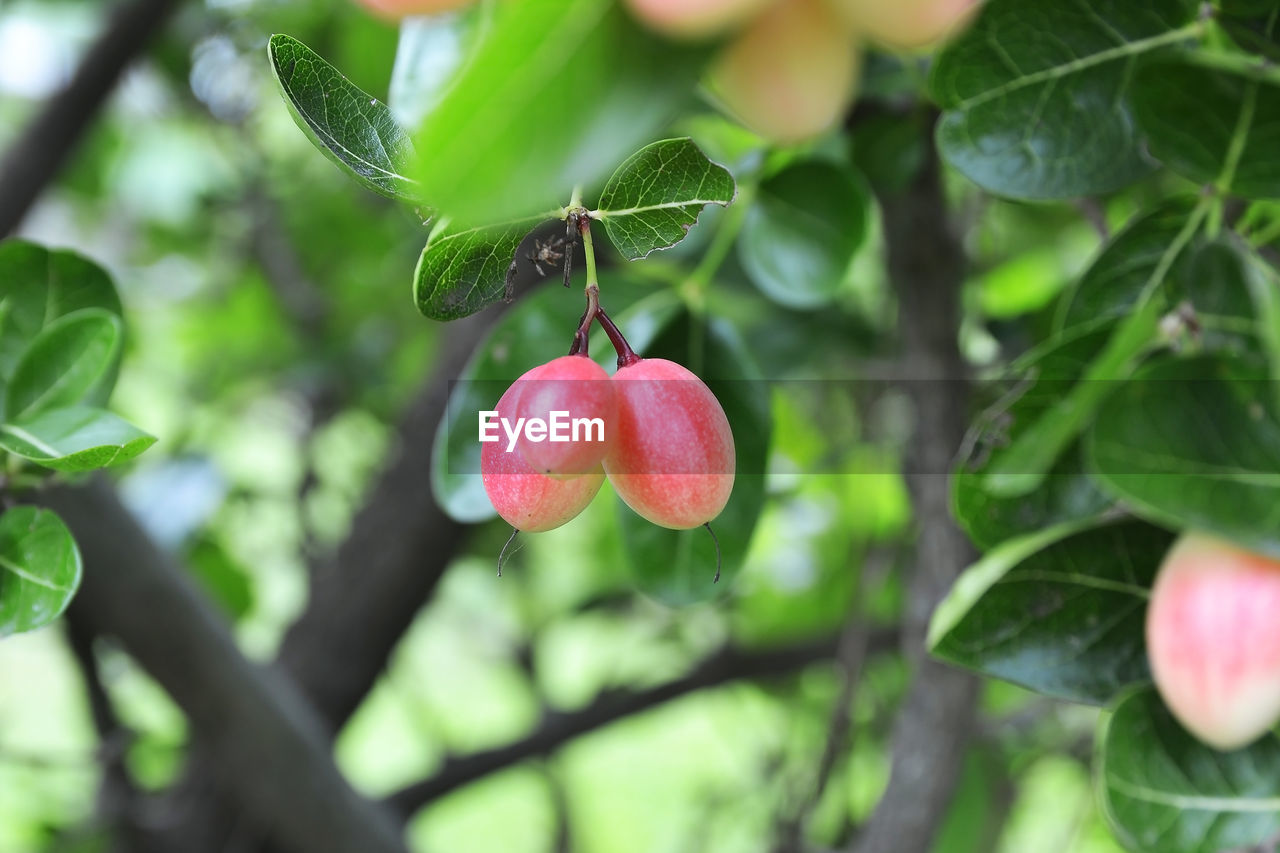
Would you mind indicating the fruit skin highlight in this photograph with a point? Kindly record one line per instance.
(790, 74)
(672, 455)
(694, 18)
(573, 384)
(525, 499)
(1213, 639)
(907, 24)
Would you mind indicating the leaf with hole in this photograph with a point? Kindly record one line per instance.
(349, 126)
(1061, 611)
(1162, 791)
(64, 364)
(655, 196)
(1035, 95)
(40, 569)
(77, 438)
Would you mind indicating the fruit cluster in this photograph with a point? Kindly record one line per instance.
(1213, 638)
(789, 68)
(665, 442)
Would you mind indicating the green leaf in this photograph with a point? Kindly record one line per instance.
(64, 363)
(677, 566)
(1165, 792)
(463, 270)
(1035, 93)
(430, 50)
(1037, 383)
(1194, 443)
(1024, 467)
(78, 438)
(39, 569)
(557, 94)
(1252, 24)
(226, 581)
(351, 128)
(1061, 611)
(37, 286)
(655, 196)
(801, 232)
(1211, 126)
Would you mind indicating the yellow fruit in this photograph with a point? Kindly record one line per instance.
(907, 24)
(791, 73)
(694, 18)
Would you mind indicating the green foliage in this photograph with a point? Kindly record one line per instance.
(462, 270)
(60, 340)
(1048, 118)
(1165, 792)
(557, 93)
(352, 128)
(655, 196)
(39, 569)
(802, 230)
(1082, 586)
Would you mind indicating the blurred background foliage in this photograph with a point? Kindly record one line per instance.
(272, 344)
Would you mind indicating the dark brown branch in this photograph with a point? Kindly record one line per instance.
(365, 596)
(610, 706)
(38, 155)
(266, 746)
(926, 266)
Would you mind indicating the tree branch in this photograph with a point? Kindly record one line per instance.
(558, 729)
(926, 265)
(36, 157)
(266, 745)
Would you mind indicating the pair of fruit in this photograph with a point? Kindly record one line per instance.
(790, 68)
(1213, 639)
(665, 444)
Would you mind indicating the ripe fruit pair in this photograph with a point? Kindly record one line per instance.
(1213, 638)
(667, 446)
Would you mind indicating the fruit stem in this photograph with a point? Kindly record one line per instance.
(588, 248)
(582, 337)
(626, 355)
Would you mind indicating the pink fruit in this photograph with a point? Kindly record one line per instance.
(527, 500)
(908, 24)
(1213, 638)
(396, 9)
(671, 457)
(791, 73)
(694, 18)
(580, 391)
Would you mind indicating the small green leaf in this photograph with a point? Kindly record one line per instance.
(1035, 93)
(37, 286)
(801, 232)
(1194, 443)
(64, 363)
(655, 196)
(1165, 792)
(78, 438)
(556, 95)
(1061, 612)
(464, 270)
(677, 566)
(39, 569)
(351, 128)
(1211, 126)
